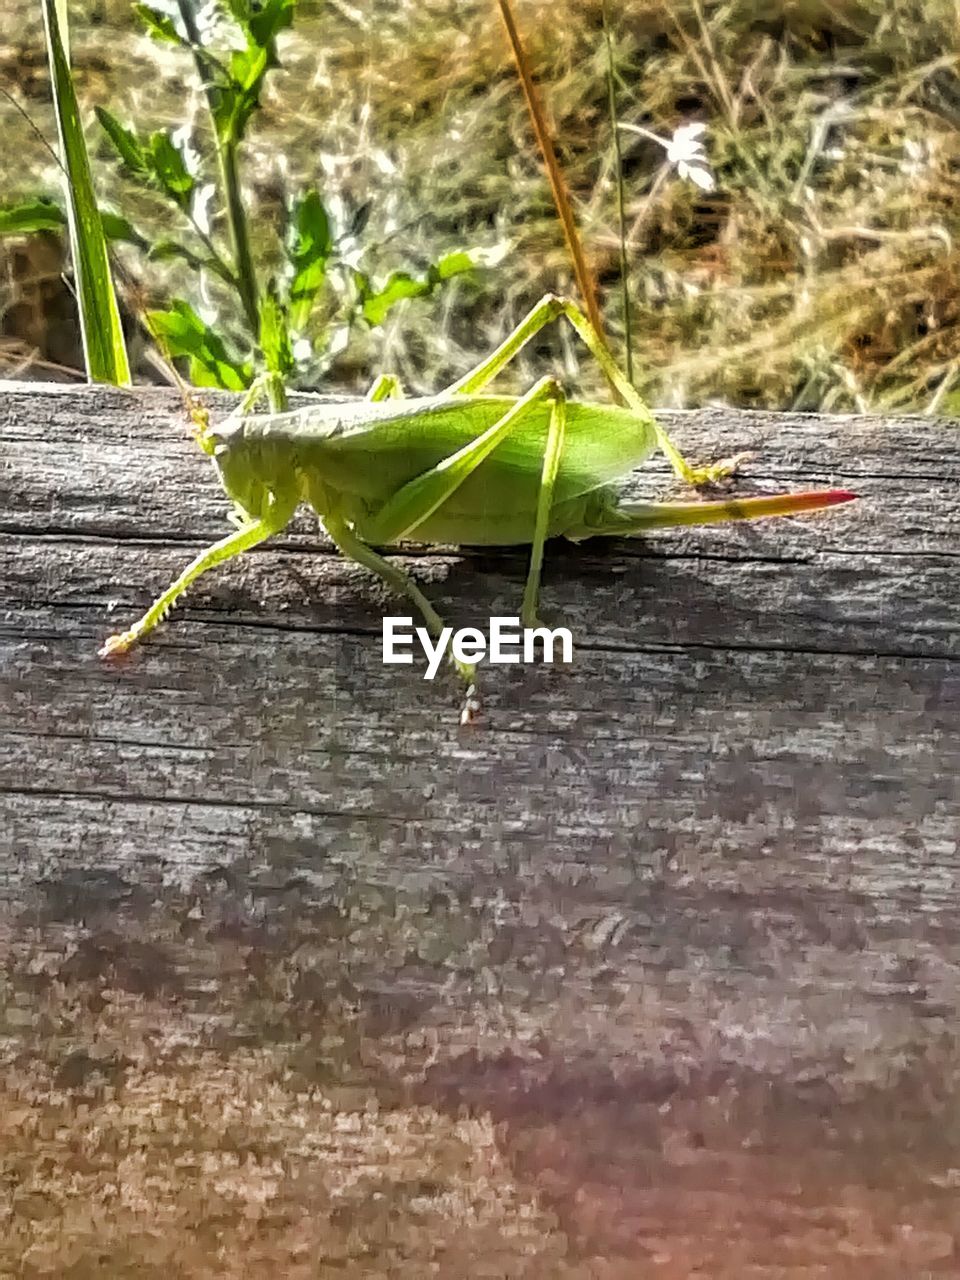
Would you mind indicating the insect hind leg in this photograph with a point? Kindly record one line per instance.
(553, 451)
(550, 308)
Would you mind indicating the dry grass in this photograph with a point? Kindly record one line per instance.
(822, 273)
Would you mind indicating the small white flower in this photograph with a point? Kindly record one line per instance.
(685, 151)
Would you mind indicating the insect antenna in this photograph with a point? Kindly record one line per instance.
(135, 298)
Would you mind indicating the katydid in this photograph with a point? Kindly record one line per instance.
(458, 467)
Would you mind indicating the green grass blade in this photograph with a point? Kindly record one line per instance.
(621, 199)
(103, 345)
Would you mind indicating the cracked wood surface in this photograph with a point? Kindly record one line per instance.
(655, 971)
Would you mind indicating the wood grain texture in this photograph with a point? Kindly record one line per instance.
(656, 971)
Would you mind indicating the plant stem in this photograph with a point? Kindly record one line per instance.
(229, 274)
(239, 234)
(243, 271)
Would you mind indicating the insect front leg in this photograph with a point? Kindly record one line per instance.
(232, 545)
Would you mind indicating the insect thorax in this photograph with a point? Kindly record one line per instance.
(257, 469)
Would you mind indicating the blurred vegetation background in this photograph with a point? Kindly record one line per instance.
(820, 273)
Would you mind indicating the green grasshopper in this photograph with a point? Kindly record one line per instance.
(459, 467)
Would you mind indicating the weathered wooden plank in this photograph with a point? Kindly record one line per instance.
(654, 971)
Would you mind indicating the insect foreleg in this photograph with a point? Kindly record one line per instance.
(232, 545)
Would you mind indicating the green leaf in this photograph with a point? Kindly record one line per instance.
(248, 67)
(399, 285)
(273, 17)
(63, 22)
(44, 215)
(169, 168)
(238, 84)
(309, 249)
(164, 250)
(157, 162)
(30, 216)
(117, 227)
(375, 304)
(104, 350)
(158, 24)
(240, 11)
(275, 336)
(183, 333)
(125, 142)
(453, 264)
(262, 20)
